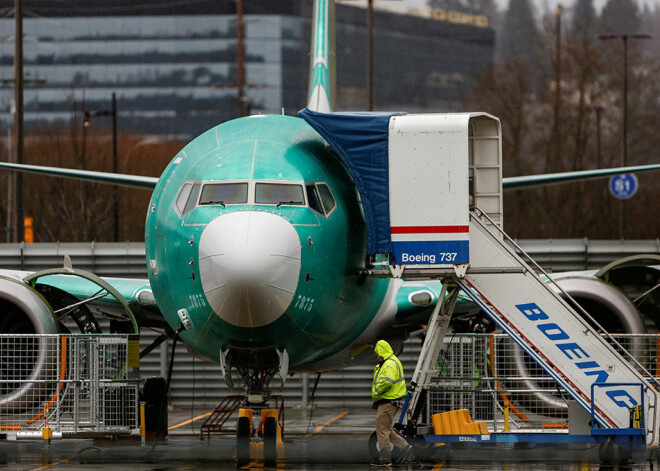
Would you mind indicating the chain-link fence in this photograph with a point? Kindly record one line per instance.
(79, 383)
(484, 373)
(73, 384)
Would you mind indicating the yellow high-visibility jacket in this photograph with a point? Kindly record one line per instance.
(389, 382)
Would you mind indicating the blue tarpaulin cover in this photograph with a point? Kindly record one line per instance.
(361, 141)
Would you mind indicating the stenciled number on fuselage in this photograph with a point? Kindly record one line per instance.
(304, 303)
(197, 300)
(448, 256)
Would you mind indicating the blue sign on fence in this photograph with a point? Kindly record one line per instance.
(623, 186)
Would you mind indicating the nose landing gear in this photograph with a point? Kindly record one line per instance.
(263, 442)
(257, 364)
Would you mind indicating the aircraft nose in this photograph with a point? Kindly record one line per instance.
(249, 264)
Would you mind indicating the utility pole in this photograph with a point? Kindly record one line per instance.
(240, 59)
(17, 136)
(625, 38)
(624, 118)
(112, 112)
(370, 55)
(556, 125)
(115, 168)
(10, 192)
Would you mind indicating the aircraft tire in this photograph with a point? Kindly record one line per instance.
(243, 441)
(270, 441)
(606, 451)
(423, 450)
(624, 455)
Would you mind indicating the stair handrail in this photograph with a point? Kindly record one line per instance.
(478, 213)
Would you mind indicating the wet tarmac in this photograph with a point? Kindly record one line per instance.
(329, 439)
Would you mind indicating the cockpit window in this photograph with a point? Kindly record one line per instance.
(224, 193)
(187, 198)
(221, 193)
(327, 199)
(313, 198)
(182, 199)
(279, 194)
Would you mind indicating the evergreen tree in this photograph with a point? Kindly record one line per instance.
(519, 37)
(584, 118)
(583, 26)
(619, 17)
(650, 25)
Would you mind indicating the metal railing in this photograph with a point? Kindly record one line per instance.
(128, 258)
(72, 384)
(486, 373)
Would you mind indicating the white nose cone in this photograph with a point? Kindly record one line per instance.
(249, 264)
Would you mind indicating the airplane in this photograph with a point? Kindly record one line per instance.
(256, 254)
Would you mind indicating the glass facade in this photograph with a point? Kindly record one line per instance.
(175, 75)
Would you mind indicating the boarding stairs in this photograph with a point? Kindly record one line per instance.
(531, 311)
(417, 175)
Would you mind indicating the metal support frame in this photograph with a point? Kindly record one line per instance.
(425, 369)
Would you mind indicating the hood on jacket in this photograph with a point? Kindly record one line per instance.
(383, 349)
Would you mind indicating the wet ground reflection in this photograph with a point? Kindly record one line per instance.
(330, 440)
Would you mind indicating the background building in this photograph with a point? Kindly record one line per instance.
(173, 64)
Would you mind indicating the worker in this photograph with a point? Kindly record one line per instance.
(387, 392)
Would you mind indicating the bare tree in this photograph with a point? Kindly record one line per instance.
(545, 130)
(66, 209)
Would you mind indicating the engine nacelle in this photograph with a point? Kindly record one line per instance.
(29, 363)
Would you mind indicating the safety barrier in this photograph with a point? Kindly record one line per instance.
(498, 383)
(70, 384)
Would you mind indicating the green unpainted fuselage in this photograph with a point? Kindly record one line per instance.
(329, 309)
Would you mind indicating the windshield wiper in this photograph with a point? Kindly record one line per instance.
(214, 202)
(288, 202)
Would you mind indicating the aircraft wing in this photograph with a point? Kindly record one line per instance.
(134, 181)
(515, 183)
(147, 183)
